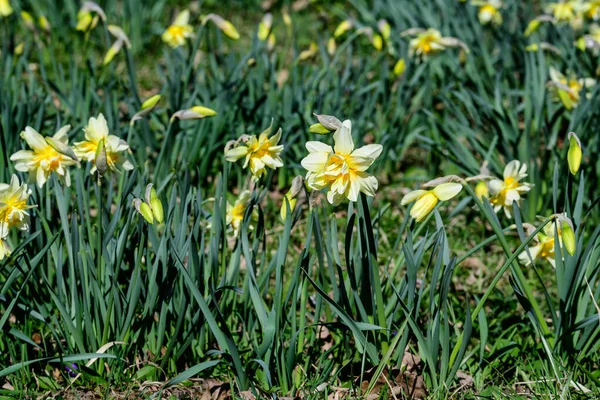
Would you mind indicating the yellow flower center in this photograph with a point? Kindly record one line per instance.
(488, 9)
(547, 250)
(425, 43)
(51, 156)
(12, 204)
(176, 30)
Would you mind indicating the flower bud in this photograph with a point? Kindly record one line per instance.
(400, 67)
(264, 28)
(575, 153)
(44, 24)
(532, 27)
(331, 46)
(225, 26)
(481, 190)
(157, 207)
(101, 159)
(329, 122)
(28, 20)
(342, 28)
(377, 42)
(385, 28)
(196, 112)
(291, 196)
(144, 210)
(319, 129)
(151, 102)
(568, 235)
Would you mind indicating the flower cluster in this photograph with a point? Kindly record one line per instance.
(180, 30)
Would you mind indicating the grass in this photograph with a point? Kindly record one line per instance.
(357, 300)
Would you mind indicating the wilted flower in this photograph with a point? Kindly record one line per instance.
(574, 154)
(341, 169)
(97, 134)
(489, 11)
(426, 200)
(152, 208)
(236, 212)
(259, 153)
(429, 42)
(5, 8)
(225, 26)
(179, 30)
(504, 192)
(567, 89)
(4, 248)
(13, 203)
(47, 155)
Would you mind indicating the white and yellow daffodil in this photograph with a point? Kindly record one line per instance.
(567, 89)
(236, 212)
(5, 250)
(96, 132)
(45, 157)
(5, 8)
(429, 42)
(544, 248)
(180, 30)
(341, 168)
(489, 11)
(258, 153)
(13, 204)
(426, 200)
(508, 190)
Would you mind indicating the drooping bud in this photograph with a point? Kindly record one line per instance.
(264, 28)
(155, 204)
(144, 210)
(385, 28)
(291, 197)
(400, 67)
(196, 112)
(567, 234)
(329, 122)
(342, 28)
(101, 159)
(575, 153)
(225, 26)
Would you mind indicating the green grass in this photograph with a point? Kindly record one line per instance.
(333, 299)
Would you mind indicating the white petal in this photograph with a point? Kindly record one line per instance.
(343, 139)
(315, 147)
(315, 162)
(34, 139)
(412, 196)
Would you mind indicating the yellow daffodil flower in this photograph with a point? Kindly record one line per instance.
(429, 42)
(566, 11)
(44, 159)
(179, 30)
(96, 132)
(574, 154)
(236, 212)
(567, 90)
(593, 10)
(259, 153)
(489, 11)
(544, 249)
(13, 204)
(4, 248)
(341, 169)
(504, 192)
(426, 200)
(5, 8)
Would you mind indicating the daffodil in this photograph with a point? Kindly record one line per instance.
(593, 10)
(290, 198)
(180, 30)
(426, 200)
(567, 90)
(258, 153)
(342, 28)
(341, 168)
(5, 8)
(13, 204)
(508, 190)
(236, 212)
(566, 11)
(96, 133)
(544, 248)
(44, 156)
(264, 28)
(590, 41)
(428, 42)
(152, 208)
(489, 11)
(4, 248)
